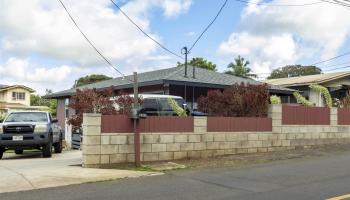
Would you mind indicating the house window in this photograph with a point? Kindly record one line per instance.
(18, 96)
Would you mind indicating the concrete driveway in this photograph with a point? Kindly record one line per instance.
(31, 171)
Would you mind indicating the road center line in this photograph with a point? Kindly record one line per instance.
(340, 197)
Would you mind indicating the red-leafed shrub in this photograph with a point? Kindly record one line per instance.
(93, 101)
(125, 103)
(238, 100)
(212, 103)
(90, 101)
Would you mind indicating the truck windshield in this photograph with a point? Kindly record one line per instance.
(27, 117)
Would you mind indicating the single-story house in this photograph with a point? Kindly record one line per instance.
(16, 97)
(338, 83)
(170, 81)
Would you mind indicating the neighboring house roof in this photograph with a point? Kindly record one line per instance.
(8, 87)
(175, 75)
(307, 80)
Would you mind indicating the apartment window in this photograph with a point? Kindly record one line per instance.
(18, 96)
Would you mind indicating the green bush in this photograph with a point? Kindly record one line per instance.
(274, 99)
(325, 93)
(2, 116)
(300, 99)
(176, 108)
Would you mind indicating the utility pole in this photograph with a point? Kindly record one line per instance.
(136, 124)
(185, 52)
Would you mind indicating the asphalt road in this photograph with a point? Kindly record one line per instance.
(308, 178)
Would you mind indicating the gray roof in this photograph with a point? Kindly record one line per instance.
(175, 75)
(3, 86)
(308, 80)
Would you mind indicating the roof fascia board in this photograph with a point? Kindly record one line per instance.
(281, 91)
(334, 78)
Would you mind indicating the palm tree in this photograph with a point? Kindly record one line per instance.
(239, 68)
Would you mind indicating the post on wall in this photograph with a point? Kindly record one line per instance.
(68, 134)
(275, 113)
(137, 144)
(91, 140)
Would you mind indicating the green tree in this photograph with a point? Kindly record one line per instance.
(200, 62)
(37, 100)
(293, 71)
(93, 78)
(240, 68)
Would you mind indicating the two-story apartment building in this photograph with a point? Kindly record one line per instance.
(15, 94)
(15, 97)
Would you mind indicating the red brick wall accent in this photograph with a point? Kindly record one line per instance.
(116, 124)
(300, 115)
(158, 124)
(238, 124)
(343, 116)
(152, 124)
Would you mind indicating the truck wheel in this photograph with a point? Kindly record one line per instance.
(1, 153)
(47, 150)
(58, 146)
(20, 151)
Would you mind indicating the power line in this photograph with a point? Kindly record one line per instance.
(337, 68)
(279, 5)
(335, 65)
(211, 23)
(329, 59)
(138, 27)
(336, 3)
(342, 3)
(87, 39)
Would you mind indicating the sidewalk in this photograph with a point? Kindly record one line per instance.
(31, 171)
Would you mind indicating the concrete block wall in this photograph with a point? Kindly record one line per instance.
(91, 140)
(111, 148)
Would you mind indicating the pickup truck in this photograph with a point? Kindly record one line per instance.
(23, 130)
(157, 105)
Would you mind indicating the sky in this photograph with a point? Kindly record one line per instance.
(42, 49)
